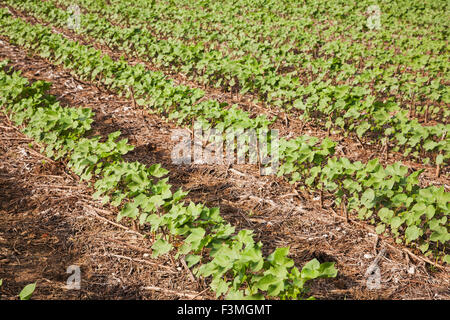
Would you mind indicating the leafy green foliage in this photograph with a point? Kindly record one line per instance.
(198, 234)
(27, 291)
(350, 107)
(334, 79)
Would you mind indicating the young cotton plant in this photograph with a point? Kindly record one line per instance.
(135, 182)
(388, 196)
(202, 237)
(58, 128)
(90, 156)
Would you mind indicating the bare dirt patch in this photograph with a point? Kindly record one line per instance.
(61, 222)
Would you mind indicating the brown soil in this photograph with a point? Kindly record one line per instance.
(287, 123)
(48, 221)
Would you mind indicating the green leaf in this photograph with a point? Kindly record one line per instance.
(447, 259)
(129, 210)
(440, 234)
(399, 200)
(385, 215)
(278, 257)
(220, 286)
(268, 280)
(424, 247)
(160, 247)
(362, 129)
(380, 228)
(140, 102)
(328, 270)
(235, 295)
(156, 171)
(192, 260)
(368, 198)
(195, 237)
(27, 292)
(396, 222)
(313, 269)
(412, 233)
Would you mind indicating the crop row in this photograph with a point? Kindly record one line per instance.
(400, 15)
(194, 232)
(388, 197)
(344, 106)
(251, 31)
(288, 48)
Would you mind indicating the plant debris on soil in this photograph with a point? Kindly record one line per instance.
(49, 222)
